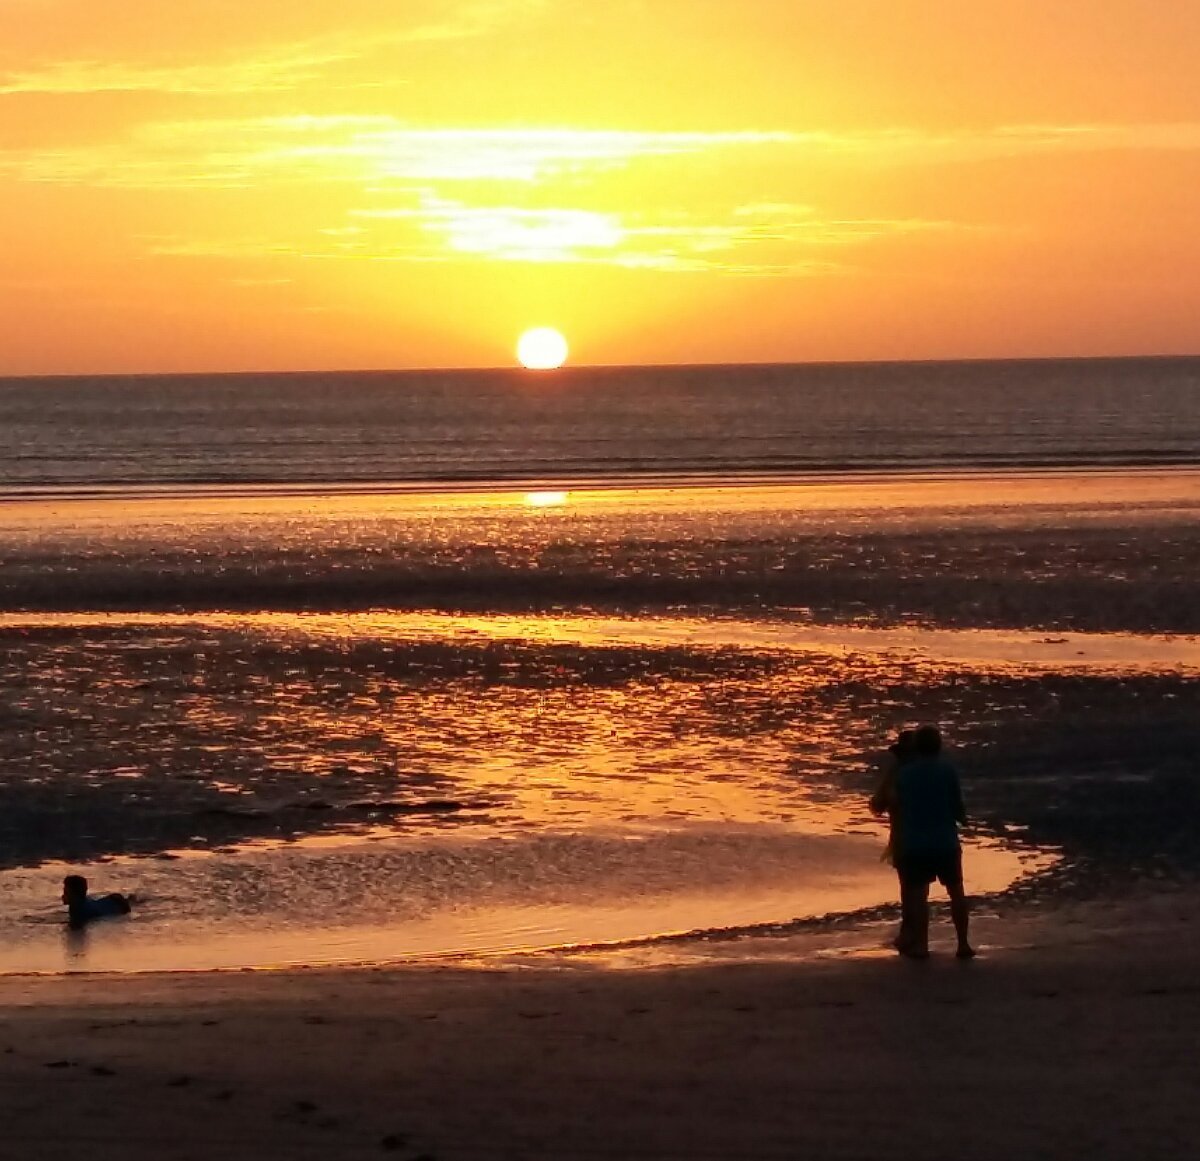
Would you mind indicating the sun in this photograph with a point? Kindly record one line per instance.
(542, 349)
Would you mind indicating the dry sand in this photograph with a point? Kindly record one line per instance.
(1072, 1036)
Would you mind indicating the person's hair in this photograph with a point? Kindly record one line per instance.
(75, 883)
(928, 741)
(904, 747)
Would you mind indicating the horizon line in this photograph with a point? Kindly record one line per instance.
(568, 369)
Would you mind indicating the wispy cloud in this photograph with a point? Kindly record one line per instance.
(751, 239)
(354, 150)
(266, 69)
(475, 18)
(375, 150)
(269, 71)
(398, 193)
(272, 72)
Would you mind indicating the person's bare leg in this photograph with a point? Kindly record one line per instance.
(960, 912)
(914, 902)
(902, 936)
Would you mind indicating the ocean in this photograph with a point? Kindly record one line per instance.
(332, 668)
(604, 423)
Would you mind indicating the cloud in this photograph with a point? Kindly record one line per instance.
(747, 239)
(751, 239)
(368, 151)
(509, 232)
(555, 234)
(271, 69)
(915, 146)
(476, 19)
(542, 195)
(356, 150)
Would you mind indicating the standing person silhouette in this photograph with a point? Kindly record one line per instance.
(927, 809)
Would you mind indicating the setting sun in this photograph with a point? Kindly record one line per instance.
(279, 183)
(542, 349)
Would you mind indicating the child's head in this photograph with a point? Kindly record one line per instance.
(75, 888)
(904, 747)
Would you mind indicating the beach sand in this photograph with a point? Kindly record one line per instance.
(1071, 1036)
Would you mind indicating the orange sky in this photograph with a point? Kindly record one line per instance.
(397, 183)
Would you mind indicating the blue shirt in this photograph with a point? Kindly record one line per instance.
(928, 808)
(97, 907)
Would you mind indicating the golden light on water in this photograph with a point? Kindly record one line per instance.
(542, 349)
(546, 499)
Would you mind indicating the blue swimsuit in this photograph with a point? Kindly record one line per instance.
(99, 908)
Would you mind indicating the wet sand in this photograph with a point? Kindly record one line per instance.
(1071, 1036)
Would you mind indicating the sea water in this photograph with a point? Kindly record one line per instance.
(604, 422)
(312, 706)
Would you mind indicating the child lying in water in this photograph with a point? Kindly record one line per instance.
(81, 908)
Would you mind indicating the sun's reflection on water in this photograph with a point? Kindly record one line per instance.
(546, 499)
(218, 730)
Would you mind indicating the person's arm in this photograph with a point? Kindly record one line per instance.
(960, 809)
(884, 797)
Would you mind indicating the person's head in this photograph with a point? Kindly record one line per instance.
(75, 888)
(904, 747)
(927, 742)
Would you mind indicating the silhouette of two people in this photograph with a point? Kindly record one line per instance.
(920, 793)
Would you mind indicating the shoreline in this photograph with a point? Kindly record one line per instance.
(478, 488)
(810, 883)
(1006, 925)
(1071, 1035)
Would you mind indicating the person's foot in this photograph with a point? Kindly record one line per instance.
(965, 951)
(911, 951)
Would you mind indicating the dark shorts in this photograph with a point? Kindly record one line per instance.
(921, 870)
